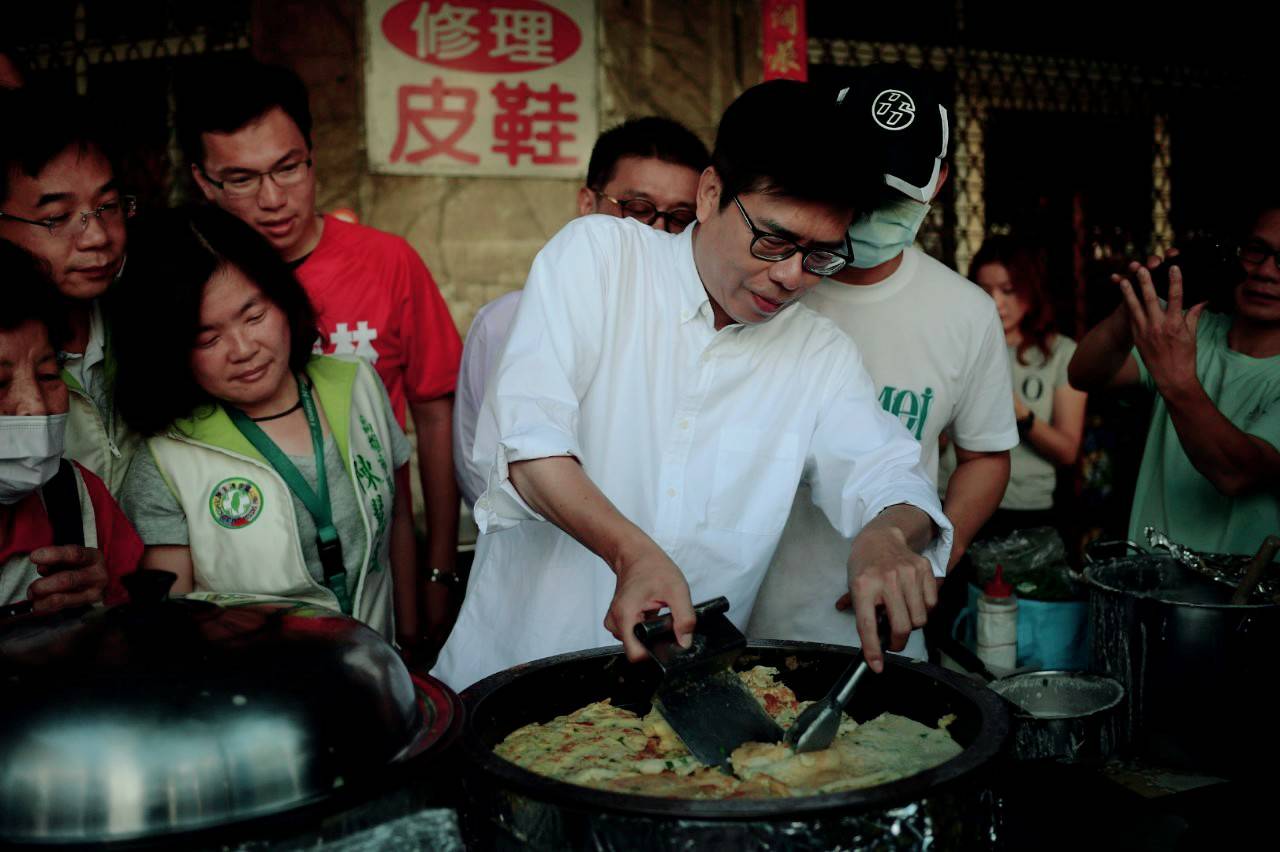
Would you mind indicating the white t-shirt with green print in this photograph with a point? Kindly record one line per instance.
(934, 347)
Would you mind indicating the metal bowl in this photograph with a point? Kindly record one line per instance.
(175, 716)
(1066, 715)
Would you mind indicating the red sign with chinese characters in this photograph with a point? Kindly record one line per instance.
(481, 87)
(511, 37)
(786, 43)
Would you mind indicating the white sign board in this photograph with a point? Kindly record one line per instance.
(493, 89)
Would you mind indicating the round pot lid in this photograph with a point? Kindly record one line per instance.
(163, 715)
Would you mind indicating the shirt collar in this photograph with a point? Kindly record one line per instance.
(94, 350)
(693, 295)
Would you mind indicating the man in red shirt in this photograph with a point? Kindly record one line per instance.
(245, 128)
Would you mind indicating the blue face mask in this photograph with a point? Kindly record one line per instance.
(883, 234)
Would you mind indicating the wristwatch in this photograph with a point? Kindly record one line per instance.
(1024, 424)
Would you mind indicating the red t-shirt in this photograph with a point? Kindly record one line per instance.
(27, 528)
(374, 297)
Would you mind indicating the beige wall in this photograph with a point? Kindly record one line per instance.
(686, 60)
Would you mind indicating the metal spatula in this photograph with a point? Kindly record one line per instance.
(700, 696)
(816, 727)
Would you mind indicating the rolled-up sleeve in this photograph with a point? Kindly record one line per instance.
(862, 461)
(531, 406)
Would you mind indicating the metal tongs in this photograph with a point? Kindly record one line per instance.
(818, 724)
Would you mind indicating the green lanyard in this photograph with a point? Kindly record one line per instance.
(317, 501)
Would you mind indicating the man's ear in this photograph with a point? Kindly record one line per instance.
(709, 189)
(944, 172)
(202, 182)
(586, 201)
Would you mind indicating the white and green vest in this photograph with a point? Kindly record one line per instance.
(19, 572)
(106, 448)
(242, 530)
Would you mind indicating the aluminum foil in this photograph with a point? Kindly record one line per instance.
(968, 821)
(1227, 569)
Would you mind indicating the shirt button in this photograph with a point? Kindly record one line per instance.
(684, 424)
(671, 492)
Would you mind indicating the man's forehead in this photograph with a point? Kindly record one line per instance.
(654, 178)
(806, 221)
(259, 143)
(1267, 228)
(79, 169)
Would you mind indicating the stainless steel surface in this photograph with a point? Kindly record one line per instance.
(180, 715)
(817, 726)
(1065, 715)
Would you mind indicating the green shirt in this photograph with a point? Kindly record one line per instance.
(1171, 494)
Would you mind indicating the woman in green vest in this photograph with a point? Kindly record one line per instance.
(269, 471)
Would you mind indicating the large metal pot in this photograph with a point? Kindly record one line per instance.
(950, 806)
(170, 716)
(1194, 666)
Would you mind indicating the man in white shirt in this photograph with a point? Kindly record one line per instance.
(61, 202)
(645, 169)
(661, 396)
(934, 347)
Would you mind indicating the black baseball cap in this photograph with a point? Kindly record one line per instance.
(895, 109)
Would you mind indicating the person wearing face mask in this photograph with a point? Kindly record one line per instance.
(60, 202)
(63, 540)
(932, 344)
(267, 471)
(659, 399)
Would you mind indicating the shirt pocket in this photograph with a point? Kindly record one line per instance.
(755, 480)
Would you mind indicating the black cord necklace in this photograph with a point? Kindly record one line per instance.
(284, 413)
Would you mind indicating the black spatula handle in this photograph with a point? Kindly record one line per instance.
(648, 631)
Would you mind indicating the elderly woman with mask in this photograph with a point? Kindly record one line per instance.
(63, 541)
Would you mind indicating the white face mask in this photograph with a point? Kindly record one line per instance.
(883, 234)
(30, 448)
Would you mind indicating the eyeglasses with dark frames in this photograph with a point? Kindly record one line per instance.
(1257, 252)
(244, 184)
(674, 220)
(773, 248)
(108, 213)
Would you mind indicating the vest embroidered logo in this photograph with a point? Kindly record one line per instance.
(235, 503)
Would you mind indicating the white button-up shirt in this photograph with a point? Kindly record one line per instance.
(700, 437)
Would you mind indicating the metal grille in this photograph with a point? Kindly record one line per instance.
(125, 56)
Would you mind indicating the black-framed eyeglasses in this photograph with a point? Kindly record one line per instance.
(1257, 252)
(674, 220)
(773, 248)
(108, 213)
(244, 184)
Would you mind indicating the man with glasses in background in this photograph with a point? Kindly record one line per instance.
(1210, 474)
(60, 202)
(245, 128)
(659, 399)
(645, 169)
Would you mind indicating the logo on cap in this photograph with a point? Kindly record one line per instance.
(235, 503)
(893, 109)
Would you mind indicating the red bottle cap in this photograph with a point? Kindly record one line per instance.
(998, 587)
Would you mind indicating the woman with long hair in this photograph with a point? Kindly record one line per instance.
(269, 470)
(1050, 413)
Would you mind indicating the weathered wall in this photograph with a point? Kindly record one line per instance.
(686, 60)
